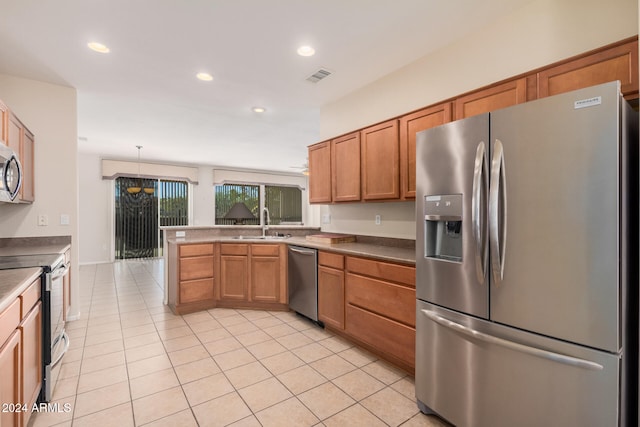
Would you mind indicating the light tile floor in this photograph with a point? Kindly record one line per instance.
(133, 363)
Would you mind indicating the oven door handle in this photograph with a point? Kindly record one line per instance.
(67, 342)
(60, 271)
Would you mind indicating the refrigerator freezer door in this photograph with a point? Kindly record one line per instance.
(451, 166)
(562, 240)
(476, 373)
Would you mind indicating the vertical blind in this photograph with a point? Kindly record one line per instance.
(283, 202)
(138, 216)
(229, 194)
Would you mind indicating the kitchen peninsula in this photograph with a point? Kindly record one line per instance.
(366, 288)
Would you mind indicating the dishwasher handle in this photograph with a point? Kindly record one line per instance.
(302, 251)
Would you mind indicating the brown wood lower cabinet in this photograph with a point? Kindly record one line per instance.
(31, 338)
(331, 289)
(21, 356)
(253, 275)
(373, 302)
(10, 391)
(191, 277)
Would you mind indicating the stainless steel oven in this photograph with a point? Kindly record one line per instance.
(55, 341)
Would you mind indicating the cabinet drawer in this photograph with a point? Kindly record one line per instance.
(234, 249)
(265, 250)
(392, 338)
(9, 320)
(329, 259)
(387, 299)
(196, 268)
(30, 297)
(196, 290)
(196, 250)
(383, 270)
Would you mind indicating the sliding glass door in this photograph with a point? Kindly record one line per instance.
(141, 207)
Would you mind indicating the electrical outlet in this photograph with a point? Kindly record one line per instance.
(43, 220)
(326, 219)
(64, 219)
(181, 233)
(377, 219)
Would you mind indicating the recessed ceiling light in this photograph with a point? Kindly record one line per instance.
(306, 51)
(205, 77)
(259, 109)
(98, 47)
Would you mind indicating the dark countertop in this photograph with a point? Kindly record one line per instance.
(34, 245)
(382, 252)
(34, 250)
(14, 282)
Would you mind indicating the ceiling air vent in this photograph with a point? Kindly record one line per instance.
(319, 75)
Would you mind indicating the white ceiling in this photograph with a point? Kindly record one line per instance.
(144, 92)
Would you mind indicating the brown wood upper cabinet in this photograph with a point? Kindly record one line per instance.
(493, 98)
(320, 172)
(380, 148)
(345, 168)
(21, 141)
(615, 63)
(409, 126)
(379, 162)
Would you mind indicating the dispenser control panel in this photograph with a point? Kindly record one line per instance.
(443, 227)
(443, 207)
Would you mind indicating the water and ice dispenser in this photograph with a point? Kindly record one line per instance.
(443, 227)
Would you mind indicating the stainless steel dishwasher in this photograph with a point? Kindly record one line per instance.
(303, 281)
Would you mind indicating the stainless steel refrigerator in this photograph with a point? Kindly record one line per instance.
(527, 264)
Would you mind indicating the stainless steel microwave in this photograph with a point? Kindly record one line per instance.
(10, 174)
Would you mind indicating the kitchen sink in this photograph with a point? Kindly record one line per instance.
(261, 237)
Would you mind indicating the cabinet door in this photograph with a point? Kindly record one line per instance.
(617, 63)
(4, 118)
(27, 152)
(320, 173)
(14, 133)
(233, 277)
(21, 141)
(345, 168)
(493, 98)
(31, 329)
(265, 279)
(409, 126)
(331, 296)
(10, 373)
(380, 147)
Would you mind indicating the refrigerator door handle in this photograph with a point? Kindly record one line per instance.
(479, 187)
(533, 351)
(497, 212)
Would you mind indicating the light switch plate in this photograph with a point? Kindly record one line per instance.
(181, 233)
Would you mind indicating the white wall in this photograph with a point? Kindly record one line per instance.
(50, 112)
(96, 205)
(543, 32)
(96, 223)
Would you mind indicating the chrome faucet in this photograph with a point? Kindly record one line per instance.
(265, 225)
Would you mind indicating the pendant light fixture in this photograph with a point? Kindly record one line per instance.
(135, 189)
